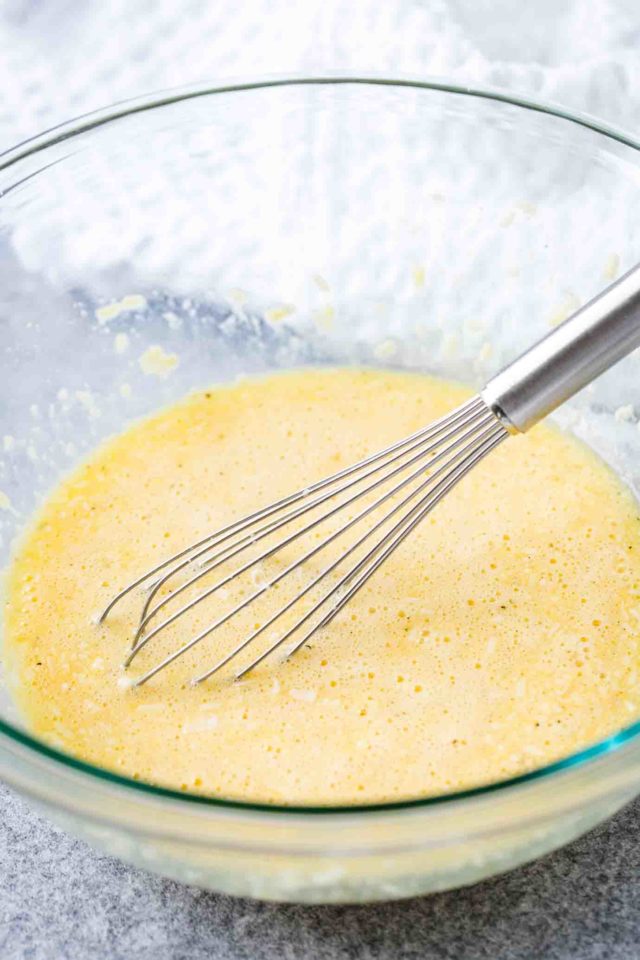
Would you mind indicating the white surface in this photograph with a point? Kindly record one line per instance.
(64, 57)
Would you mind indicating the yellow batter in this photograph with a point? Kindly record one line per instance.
(501, 636)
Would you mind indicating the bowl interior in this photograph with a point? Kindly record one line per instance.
(275, 226)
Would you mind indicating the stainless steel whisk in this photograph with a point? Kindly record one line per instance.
(423, 467)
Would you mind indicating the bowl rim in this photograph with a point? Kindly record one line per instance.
(163, 98)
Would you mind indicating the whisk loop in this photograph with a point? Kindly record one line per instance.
(440, 454)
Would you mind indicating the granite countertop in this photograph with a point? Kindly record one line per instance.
(60, 900)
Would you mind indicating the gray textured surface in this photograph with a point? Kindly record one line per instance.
(59, 900)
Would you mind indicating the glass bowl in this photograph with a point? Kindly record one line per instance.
(258, 226)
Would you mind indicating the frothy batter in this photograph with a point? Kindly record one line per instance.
(502, 635)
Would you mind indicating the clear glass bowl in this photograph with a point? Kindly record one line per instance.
(275, 224)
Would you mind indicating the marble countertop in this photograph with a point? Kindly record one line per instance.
(60, 900)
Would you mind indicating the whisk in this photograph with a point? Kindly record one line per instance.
(397, 488)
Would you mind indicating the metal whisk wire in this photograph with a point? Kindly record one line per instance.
(458, 440)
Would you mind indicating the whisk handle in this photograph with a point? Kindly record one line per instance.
(602, 332)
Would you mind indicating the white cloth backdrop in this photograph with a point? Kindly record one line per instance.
(60, 58)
